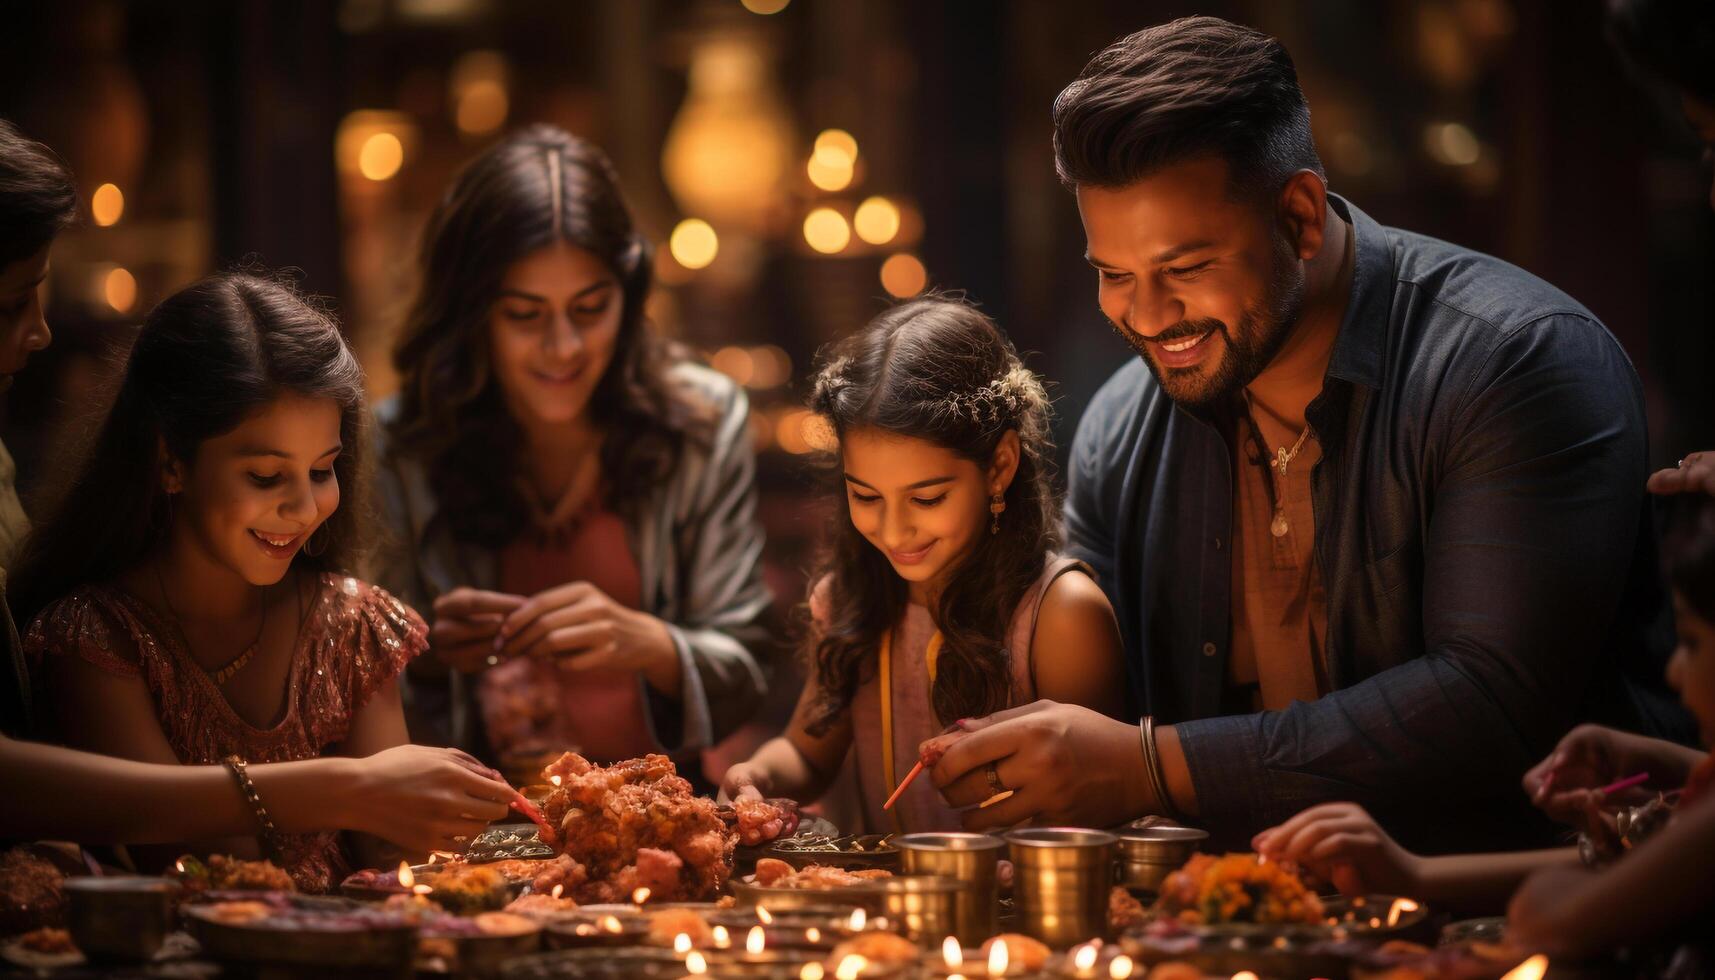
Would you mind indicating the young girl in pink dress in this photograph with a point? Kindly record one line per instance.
(190, 596)
(941, 595)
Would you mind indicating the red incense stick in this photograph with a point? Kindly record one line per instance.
(902, 784)
(528, 809)
(1627, 783)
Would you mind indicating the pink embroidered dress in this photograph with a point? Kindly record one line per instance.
(355, 638)
(913, 716)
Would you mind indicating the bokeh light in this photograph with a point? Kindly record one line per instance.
(107, 205)
(381, 157)
(876, 221)
(119, 288)
(694, 243)
(903, 275)
(826, 231)
(765, 7)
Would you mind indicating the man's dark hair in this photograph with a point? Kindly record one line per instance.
(1196, 86)
(1674, 39)
(37, 196)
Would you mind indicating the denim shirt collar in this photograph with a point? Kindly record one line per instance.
(1359, 348)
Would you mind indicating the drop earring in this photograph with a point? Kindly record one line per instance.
(997, 506)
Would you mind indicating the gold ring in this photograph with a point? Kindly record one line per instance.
(995, 785)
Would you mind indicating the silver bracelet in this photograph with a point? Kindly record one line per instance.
(1152, 765)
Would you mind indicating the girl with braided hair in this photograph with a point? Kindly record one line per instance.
(941, 595)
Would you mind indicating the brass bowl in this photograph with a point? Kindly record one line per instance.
(120, 918)
(1147, 857)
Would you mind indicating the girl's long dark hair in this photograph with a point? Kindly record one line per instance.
(935, 369)
(204, 360)
(538, 187)
(1691, 558)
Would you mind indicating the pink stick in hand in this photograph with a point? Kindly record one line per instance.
(1625, 784)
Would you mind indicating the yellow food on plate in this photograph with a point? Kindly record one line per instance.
(876, 947)
(1212, 890)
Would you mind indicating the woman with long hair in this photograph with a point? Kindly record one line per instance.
(189, 597)
(574, 500)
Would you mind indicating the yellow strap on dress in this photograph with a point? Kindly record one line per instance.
(884, 677)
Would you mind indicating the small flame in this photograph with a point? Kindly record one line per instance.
(1244, 975)
(1375, 923)
(556, 780)
(722, 938)
(180, 865)
(406, 878)
(763, 914)
(682, 943)
(755, 941)
(998, 961)
(611, 924)
(421, 889)
(585, 929)
(1085, 957)
(1399, 908)
(851, 967)
(1531, 969)
(695, 963)
(1120, 967)
(558, 890)
(811, 971)
(640, 896)
(858, 920)
(813, 934)
(952, 953)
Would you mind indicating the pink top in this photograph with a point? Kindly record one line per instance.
(921, 807)
(356, 637)
(531, 705)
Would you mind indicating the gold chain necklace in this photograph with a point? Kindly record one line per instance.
(1283, 457)
(233, 666)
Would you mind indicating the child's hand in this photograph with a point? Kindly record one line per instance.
(1535, 916)
(1567, 785)
(742, 780)
(1344, 845)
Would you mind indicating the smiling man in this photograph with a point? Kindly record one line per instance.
(1369, 506)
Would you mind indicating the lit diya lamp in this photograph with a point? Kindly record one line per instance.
(1366, 916)
(577, 930)
(750, 957)
(1094, 960)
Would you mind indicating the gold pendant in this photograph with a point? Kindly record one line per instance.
(1278, 527)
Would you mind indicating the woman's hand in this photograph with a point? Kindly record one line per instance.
(425, 799)
(582, 628)
(1344, 845)
(1694, 474)
(466, 622)
(749, 779)
(1567, 785)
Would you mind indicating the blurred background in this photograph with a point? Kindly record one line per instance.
(799, 163)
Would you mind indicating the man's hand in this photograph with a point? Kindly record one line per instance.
(1694, 474)
(1064, 764)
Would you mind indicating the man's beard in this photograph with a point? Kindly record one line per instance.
(1260, 333)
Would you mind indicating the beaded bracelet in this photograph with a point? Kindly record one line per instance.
(270, 836)
(1152, 766)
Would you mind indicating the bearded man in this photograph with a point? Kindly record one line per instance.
(1369, 506)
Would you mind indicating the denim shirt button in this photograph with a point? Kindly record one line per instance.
(1208, 649)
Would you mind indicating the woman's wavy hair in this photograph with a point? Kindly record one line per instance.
(935, 369)
(208, 357)
(538, 187)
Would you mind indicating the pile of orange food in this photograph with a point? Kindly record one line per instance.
(631, 825)
(1237, 888)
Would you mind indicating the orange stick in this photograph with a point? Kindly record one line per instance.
(902, 784)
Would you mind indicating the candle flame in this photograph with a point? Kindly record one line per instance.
(1085, 957)
(1244, 975)
(1375, 923)
(558, 890)
(722, 939)
(851, 967)
(811, 971)
(858, 920)
(998, 958)
(406, 878)
(952, 952)
(585, 929)
(556, 780)
(682, 943)
(421, 889)
(755, 941)
(764, 915)
(1399, 908)
(813, 934)
(180, 865)
(640, 896)
(611, 924)
(1531, 969)
(695, 963)
(1120, 967)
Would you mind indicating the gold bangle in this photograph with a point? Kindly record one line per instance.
(270, 835)
(1152, 764)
